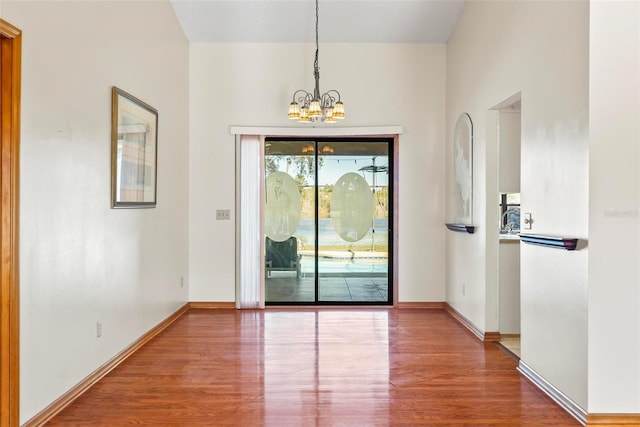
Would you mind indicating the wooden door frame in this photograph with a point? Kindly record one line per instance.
(10, 69)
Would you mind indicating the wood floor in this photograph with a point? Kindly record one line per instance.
(377, 367)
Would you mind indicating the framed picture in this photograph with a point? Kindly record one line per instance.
(134, 151)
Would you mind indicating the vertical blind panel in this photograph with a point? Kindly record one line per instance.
(249, 283)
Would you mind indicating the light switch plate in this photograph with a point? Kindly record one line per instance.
(223, 214)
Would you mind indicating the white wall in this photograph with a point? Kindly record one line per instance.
(81, 261)
(509, 253)
(614, 206)
(509, 152)
(252, 85)
(540, 49)
(509, 288)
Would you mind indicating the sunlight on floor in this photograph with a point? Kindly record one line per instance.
(511, 343)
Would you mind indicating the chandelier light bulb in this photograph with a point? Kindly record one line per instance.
(294, 111)
(338, 110)
(314, 109)
(304, 115)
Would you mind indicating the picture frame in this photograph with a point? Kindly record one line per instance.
(134, 151)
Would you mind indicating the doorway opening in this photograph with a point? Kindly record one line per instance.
(509, 142)
(328, 221)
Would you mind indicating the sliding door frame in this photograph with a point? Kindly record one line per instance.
(393, 151)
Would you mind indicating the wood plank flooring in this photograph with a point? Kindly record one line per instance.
(315, 367)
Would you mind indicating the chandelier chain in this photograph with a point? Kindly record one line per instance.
(316, 67)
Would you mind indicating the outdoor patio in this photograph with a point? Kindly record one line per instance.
(285, 287)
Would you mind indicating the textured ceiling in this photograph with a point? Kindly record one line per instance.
(341, 21)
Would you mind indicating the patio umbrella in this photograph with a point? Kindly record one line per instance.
(374, 169)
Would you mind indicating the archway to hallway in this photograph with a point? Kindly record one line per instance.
(10, 62)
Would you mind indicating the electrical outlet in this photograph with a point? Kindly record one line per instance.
(181, 282)
(464, 289)
(99, 328)
(223, 214)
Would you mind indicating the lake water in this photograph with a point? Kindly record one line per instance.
(342, 265)
(327, 235)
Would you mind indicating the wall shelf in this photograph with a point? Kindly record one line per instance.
(550, 241)
(462, 228)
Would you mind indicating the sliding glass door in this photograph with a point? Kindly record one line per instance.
(327, 221)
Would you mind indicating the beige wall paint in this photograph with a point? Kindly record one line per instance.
(614, 206)
(509, 288)
(540, 49)
(252, 85)
(80, 260)
(509, 152)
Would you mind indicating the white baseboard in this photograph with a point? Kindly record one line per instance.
(560, 398)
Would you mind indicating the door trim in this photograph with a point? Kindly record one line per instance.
(315, 132)
(10, 69)
(349, 134)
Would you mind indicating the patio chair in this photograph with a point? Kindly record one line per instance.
(282, 256)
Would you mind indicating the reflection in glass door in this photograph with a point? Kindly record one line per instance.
(327, 221)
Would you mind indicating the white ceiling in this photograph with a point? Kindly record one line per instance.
(341, 21)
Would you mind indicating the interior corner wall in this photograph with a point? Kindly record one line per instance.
(251, 84)
(614, 206)
(80, 261)
(539, 49)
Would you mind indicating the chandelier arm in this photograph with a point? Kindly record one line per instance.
(304, 99)
(327, 100)
(329, 92)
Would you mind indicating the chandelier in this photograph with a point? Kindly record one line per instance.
(308, 107)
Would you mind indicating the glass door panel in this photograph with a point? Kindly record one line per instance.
(353, 222)
(290, 222)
